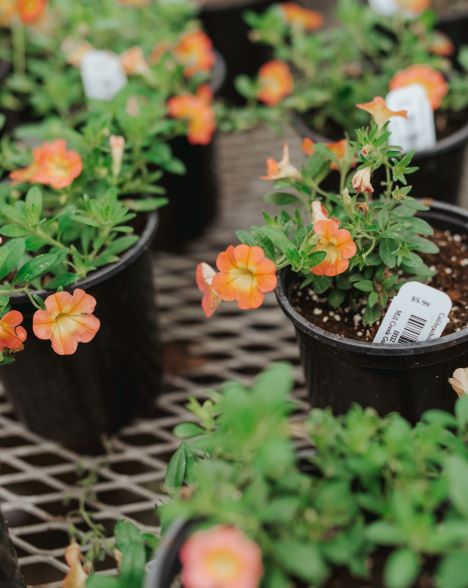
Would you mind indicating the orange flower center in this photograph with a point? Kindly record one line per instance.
(223, 565)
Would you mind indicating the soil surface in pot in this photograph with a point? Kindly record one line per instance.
(450, 6)
(451, 265)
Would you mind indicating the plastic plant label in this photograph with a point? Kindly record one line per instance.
(417, 313)
(102, 74)
(418, 130)
(392, 7)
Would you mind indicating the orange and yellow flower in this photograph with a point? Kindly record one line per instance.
(338, 148)
(380, 112)
(12, 335)
(336, 243)
(276, 82)
(133, 62)
(430, 79)
(195, 52)
(221, 557)
(204, 277)
(76, 577)
(442, 45)
(67, 320)
(197, 109)
(30, 11)
(296, 15)
(278, 170)
(245, 275)
(53, 165)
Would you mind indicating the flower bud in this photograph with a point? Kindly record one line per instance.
(362, 181)
(117, 145)
(366, 150)
(347, 200)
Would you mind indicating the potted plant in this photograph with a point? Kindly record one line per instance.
(341, 257)
(70, 244)
(158, 79)
(376, 503)
(10, 576)
(317, 75)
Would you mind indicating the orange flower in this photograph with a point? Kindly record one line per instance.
(337, 244)
(67, 321)
(76, 577)
(339, 149)
(277, 170)
(245, 276)
(308, 146)
(380, 111)
(195, 53)
(301, 17)
(12, 336)
(198, 111)
(30, 11)
(430, 79)
(442, 45)
(133, 62)
(204, 277)
(276, 82)
(414, 6)
(52, 165)
(221, 556)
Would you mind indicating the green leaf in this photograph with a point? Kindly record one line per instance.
(402, 569)
(383, 533)
(61, 281)
(122, 244)
(452, 571)
(187, 430)
(457, 475)
(146, 204)
(34, 268)
(132, 568)
(125, 534)
(302, 560)
(461, 412)
(336, 297)
(281, 198)
(13, 231)
(387, 248)
(177, 469)
(364, 285)
(281, 241)
(95, 581)
(34, 205)
(10, 256)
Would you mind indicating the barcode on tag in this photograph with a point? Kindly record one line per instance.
(418, 313)
(418, 130)
(102, 74)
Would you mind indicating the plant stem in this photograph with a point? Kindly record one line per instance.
(18, 46)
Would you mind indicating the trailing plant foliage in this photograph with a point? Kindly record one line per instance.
(374, 497)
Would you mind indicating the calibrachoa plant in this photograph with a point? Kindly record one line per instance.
(63, 214)
(317, 71)
(356, 246)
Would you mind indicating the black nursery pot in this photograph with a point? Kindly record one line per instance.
(76, 399)
(224, 23)
(166, 565)
(10, 576)
(406, 378)
(440, 172)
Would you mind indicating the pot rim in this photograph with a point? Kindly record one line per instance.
(368, 348)
(447, 144)
(100, 275)
(219, 73)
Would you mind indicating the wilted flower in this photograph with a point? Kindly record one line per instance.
(337, 244)
(12, 335)
(204, 277)
(76, 577)
(430, 79)
(117, 145)
(133, 62)
(197, 109)
(195, 52)
(362, 181)
(296, 15)
(67, 321)
(221, 557)
(380, 112)
(277, 170)
(245, 275)
(276, 82)
(53, 165)
(459, 381)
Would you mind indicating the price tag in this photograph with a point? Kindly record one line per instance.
(418, 313)
(102, 74)
(418, 130)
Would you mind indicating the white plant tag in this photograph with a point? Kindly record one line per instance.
(102, 74)
(417, 313)
(418, 130)
(391, 7)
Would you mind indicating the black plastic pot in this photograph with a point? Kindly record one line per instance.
(76, 399)
(166, 565)
(224, 22)
(440, 172)
(10, 576)
(455, 25)
(406, 378)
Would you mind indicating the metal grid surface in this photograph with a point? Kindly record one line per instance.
(38, 483)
